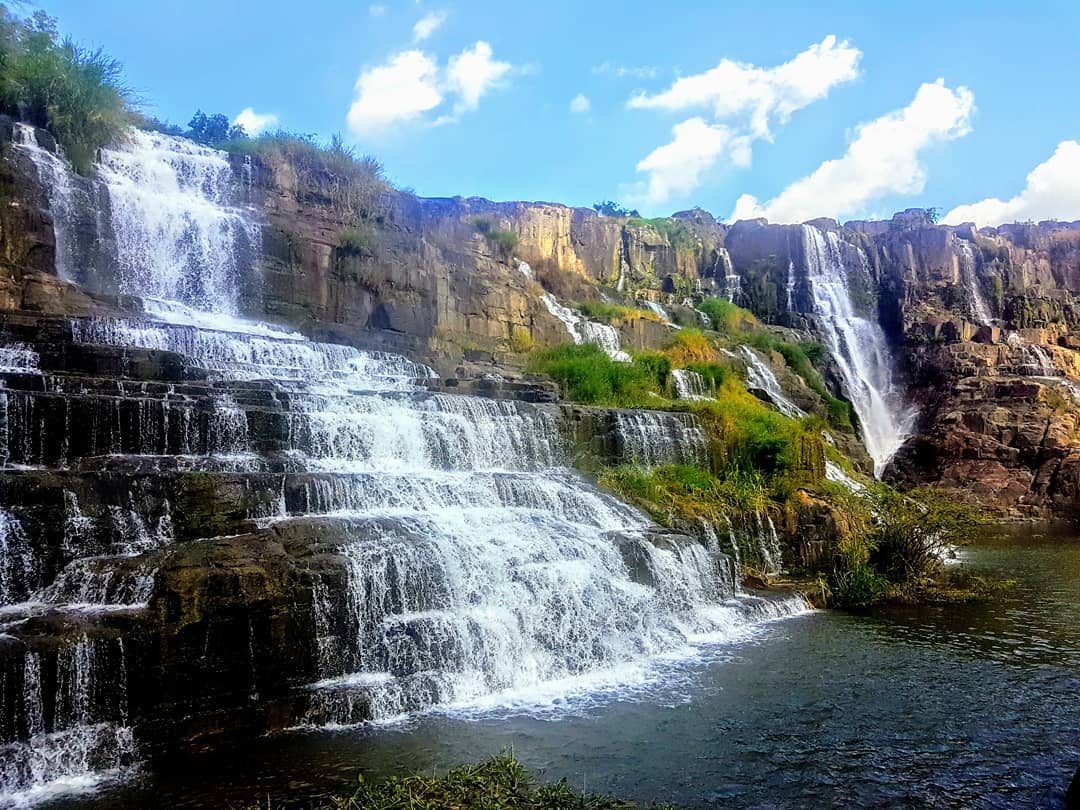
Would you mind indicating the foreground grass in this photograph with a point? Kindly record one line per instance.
(501, 783)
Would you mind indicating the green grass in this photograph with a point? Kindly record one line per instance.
(586, 374)
(355, 241)
(614, 313)
(501, 783)
(726, 317)
(676, 232)
(77, 94)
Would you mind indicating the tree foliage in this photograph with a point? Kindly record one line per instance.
(75, 93)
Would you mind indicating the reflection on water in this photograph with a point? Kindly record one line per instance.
(964, 706)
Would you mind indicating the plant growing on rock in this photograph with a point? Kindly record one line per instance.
(500, 239)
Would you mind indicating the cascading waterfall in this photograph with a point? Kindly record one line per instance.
(690, 385)
(761, 377)
(657, 310)
(473, 560)
(858, 347)
(181, 231)
(580, 328)
(55, 176)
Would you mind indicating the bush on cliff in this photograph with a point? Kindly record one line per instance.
(726, 317)
(77, 94)
(586, 374)
(615, 313)
(500, 239)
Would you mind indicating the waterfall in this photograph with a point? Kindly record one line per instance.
(761, 377)
(858, 347)
(657, 310)
(580, 328)
(966, 261)
(54, 175)
(181, 232)
(690, 385)
(461, 556)
(789, 288)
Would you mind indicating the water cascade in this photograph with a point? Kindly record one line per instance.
(580, 328)
(690, 385)
(452, 553)
(657, 310)
(966, 261)
(858, 346)
(761, 377)
(54, 175)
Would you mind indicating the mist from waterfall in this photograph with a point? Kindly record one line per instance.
(858, 346)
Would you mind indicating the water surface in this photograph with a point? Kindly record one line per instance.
(963, 706)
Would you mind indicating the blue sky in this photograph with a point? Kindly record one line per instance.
(477, 100)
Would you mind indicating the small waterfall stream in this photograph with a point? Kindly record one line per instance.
(473, 561)
(858, 347)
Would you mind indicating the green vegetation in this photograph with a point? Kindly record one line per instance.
(77, 94)
(894, 544)
(675, 231)
(586, 374)
(521, 340)
(614, 313)
(503, 241)
(610, 208)
(355, 241)
(501, 783)
(726, 317)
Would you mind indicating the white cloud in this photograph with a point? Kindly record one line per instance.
(377, 10)
(881, 159)
(1052, 192)
(676, 167)
(428, 25)
(401, 90)
(472, 73)
(580, 104)
(412, 83)
(253, 122)
(767, 95)
(625, 71)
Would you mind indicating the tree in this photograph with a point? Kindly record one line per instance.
(610, 208)
(213, 129)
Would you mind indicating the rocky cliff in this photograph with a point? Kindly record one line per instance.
(983, 323)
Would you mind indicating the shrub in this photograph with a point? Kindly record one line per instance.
(330, 172)
(690, 346)
(503, 241)
(614, 313)
(75, 93)
(355, 241)
(586, 374)
(501, 783)
(521, 339)
(726, 317)
(675, 231)
(714, 374)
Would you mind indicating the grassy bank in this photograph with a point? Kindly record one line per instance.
(501, 783)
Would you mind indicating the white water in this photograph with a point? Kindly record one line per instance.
(834, 472)
(789, 288)
(55, 176)
(657, 310)
(580, 328)
(475, 562)
(858, 347)
(690, 385)
(181, 231)
(760, 376)
(966, 260)
(723, 268)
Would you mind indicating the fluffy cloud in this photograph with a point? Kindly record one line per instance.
(676, 167)
(428, 25)
(401, 90)
(766, 95)
(1052, 192)
(580, 104)
(882, 159)
(472, 73)
(412, 83)
(253, 122)
(745, 103)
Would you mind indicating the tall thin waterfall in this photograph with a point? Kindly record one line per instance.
(761, 377)
(858, 346)
(966, 260)
(54, 175)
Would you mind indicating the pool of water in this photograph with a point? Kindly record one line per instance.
(964, 706)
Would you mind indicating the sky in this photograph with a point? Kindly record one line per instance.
(785, 110)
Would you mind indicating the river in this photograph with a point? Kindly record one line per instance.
(963, 706)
